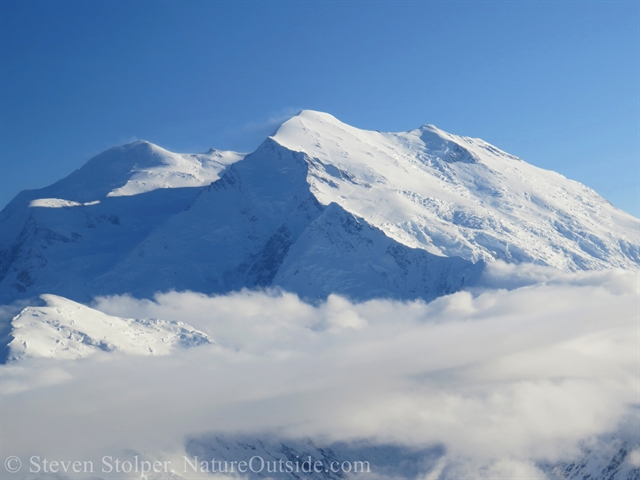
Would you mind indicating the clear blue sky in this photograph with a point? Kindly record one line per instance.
(555, 83)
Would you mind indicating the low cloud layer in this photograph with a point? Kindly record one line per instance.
(499, 377)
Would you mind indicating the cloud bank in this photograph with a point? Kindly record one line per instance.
(500, 377)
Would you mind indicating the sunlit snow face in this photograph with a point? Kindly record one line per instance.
(500, 378)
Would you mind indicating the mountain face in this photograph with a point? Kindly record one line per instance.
(85, 223)
(320, 207)
(457, 196)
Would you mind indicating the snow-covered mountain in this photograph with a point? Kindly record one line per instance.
(319, 207)
(64, 329)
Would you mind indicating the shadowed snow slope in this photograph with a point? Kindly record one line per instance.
(83, 224)
(411, 213)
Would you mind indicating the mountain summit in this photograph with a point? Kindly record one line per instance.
(459, 196)
(320, 207)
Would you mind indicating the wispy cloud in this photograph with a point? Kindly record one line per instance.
(253, 133)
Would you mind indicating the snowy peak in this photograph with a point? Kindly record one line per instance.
(310, 131)
(64, 329)
(109, 170)
(141, 167)
(173, 170)
(458, 196)
(135, 168)
(84, 223)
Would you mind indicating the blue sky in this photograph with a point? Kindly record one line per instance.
(556, 83)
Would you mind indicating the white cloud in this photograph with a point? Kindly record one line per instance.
(501, 377)
(634, 457)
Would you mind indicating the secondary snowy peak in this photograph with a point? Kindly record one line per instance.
(84, 223)
(165, 169)
(136, 168)
(458, 196)
(68, 330)
(141, 167)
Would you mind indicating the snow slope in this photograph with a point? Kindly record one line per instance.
(362, 255)
(64, 329)
(382, 461)
(611, 458)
